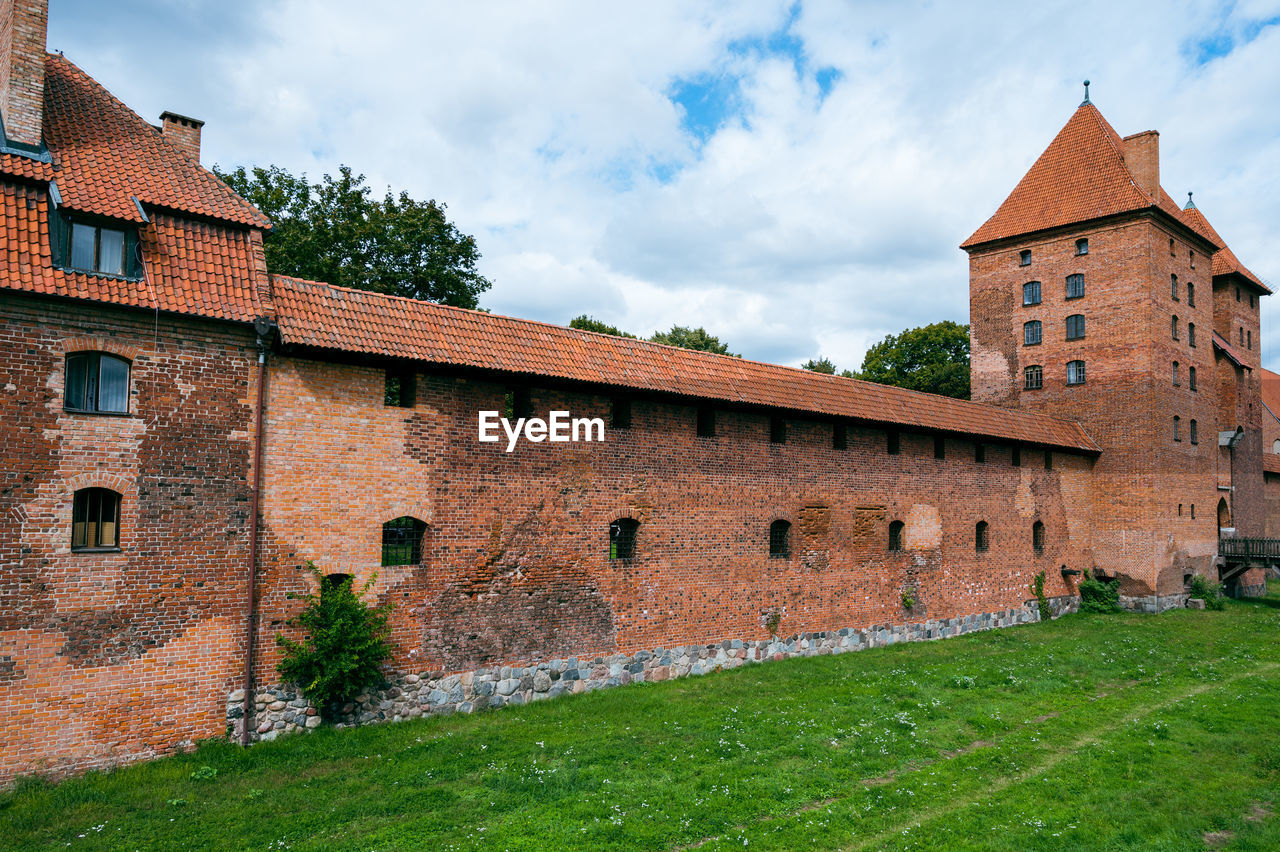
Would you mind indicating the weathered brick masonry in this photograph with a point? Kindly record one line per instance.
(107, 657)
(118, 249)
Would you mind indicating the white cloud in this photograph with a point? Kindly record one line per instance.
(804, 225)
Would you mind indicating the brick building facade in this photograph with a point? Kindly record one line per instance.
(185, 431)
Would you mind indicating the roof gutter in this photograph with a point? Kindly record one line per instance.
(264, 328)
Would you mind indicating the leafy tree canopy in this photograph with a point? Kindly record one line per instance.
(587, 323)
(679, 335)
(692, 338)
(824, 365)
(338, 231)
(933, 358)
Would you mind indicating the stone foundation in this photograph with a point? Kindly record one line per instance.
(282, 709)
(1253, 591)
(1153, 603)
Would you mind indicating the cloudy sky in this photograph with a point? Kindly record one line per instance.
(794, 176)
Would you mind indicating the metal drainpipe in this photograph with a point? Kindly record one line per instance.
(264, 328)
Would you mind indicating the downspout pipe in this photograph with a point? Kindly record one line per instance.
(264, 328)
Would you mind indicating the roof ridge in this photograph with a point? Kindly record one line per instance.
(809, 375)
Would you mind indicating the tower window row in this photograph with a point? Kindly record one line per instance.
(1032, 330)
(1032, 295)
(1082, 248)
(1033, 376)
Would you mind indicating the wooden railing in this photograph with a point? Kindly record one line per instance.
(1249, 548)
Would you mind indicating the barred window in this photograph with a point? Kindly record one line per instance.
(1075, 326)
(96, 381)
(1037, 537)
(1075, 286)
(779, 539)
(1031, 293)
(95, 519)
(1031, 332)
(981, 537)
(402, 541)
(1075, 372)
(895, 536)
(1033, 378)
(622, 538)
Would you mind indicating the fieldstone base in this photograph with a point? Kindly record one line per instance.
(1154, 603)
(1253, 591)
(281, 710)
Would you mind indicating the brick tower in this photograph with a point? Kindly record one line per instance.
(1093, 297)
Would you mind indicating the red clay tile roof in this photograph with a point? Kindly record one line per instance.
(322, 316)
(1225, 261)
(1227, 349)
(25, 167)
(1082, 175)
(1271, 392)
(103, 153)
(1270, 463)
(195, 268)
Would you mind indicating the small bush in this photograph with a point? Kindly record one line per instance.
(1211, 593)
(1037, 587)
(342, 654)
(204, 773)
(1099, 595)
(908, 600)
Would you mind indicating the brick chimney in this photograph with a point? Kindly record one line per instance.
(23, 27)
(1142, 156)
(183, 132)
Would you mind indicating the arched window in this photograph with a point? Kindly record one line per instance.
(95, 519)
(1031, 293)
(1173, 287)
(779, 539)
(1224, 514)
(330, 583)
(981, 537)
(1075, 372)
(1037, 537)
(402, 541)
(1191, 334)
(1075, 286)
(1191, 294)
(1075, 326)
(1033, 378)
(1082, 246)
(1032, 333)
(622, 538)
(1173, 326)
(97, 381)
(1275, 447)
(1177, 428)
(895, 536)
(1191, 377)
(1193, 431)
(1176, 380)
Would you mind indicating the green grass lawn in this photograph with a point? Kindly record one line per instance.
(1090, 732)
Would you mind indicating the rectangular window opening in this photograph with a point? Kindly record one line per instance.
(398, 388)
(777, 430)
(839, 436)
(1015, 457)
(979, 453)
(1048, 459)
(706, 422)
(621, 415)
(939, 447)
(518, 403)
(893, 442)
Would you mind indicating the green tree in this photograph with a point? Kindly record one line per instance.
(692, 338)
(587, 323)
(820, 365)
(933, 358)
(345, 645)
(337, 231)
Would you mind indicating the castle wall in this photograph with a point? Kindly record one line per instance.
(108, 657)
(516, 566)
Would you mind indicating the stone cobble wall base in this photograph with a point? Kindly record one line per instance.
(281, 709)
(1253, 591)
(1154, 603)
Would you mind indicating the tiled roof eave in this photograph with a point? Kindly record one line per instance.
(1152, 211)
(1235, 276)
(150, 309)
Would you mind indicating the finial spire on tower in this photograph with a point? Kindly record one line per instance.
(1086, 94)
(1191, 205)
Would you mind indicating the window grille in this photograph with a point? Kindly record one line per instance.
(779, 540)
(402, 541)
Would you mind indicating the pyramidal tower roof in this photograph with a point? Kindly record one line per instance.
(1225, 261)
(1082, 175)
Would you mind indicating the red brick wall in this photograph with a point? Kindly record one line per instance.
(111, 657)
(517, 568)
(1129, 400)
